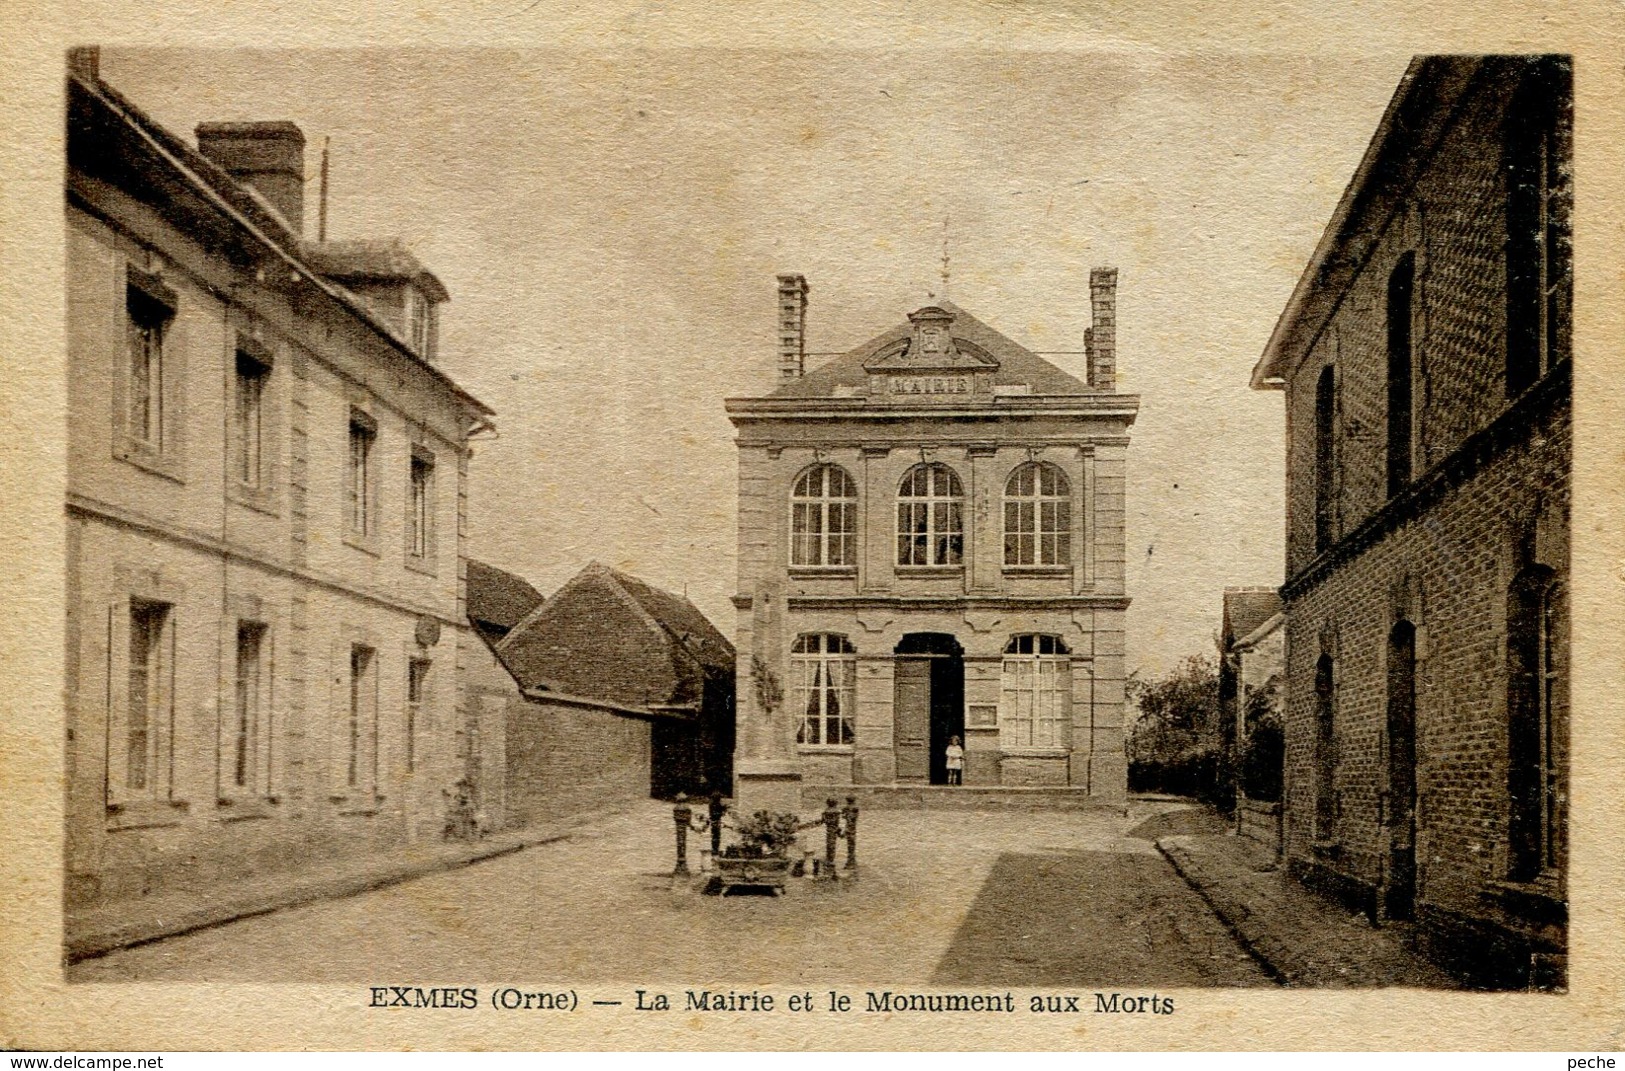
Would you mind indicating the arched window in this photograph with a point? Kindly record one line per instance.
(1325, 751)
(824, 674)
(824, 518)
(930, 517)
(1535, 701)
(1536, 163)
(1325, 456)
(1401, 373)
(1037, 516)
(1035, 693)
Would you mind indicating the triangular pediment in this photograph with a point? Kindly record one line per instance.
(970, 358)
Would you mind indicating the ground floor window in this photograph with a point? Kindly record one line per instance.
(361, 722)
(1035, 693)
(1325, 751)
(146, 707)
(824, 674)
(1536, 701)
(248, 733)
(417, 689)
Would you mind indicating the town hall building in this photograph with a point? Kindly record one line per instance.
(931, 546)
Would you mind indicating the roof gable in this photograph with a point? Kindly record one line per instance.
(499, 598)
(971, 346)
(1245, 609)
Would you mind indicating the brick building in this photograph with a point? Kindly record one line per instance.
(1424, 359)
(1252, 661)
(609, 691)
(930, 546)
(265, 504)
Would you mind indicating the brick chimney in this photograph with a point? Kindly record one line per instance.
(85, 61)
(269, 156)
(793, 290)
(1100, 341)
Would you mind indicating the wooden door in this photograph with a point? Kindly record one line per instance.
(911, 719)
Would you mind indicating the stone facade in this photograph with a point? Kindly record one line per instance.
(266, 518)
(886, 605)
(1424, 358)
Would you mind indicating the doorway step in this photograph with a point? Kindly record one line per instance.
(956, 798)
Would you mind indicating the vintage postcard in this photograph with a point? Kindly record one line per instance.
(1013, 528)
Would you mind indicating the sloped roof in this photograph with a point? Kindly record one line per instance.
(1245, 609)
(537, 641)
(680, 618)
(499, 598)
(113, 140)
(1017, 364)
(364, 259)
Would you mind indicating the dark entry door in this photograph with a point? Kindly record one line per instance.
(1400, 895)
(911, 718)
(929, 706)
(947, 711)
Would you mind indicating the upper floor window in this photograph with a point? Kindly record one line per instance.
(824, 674)
(1035, 693)
(1536, 160)
(420, 322)
(1037, 516)
(824, 518)
(930, 517)
(1535, 704)
(1325, 456)
(248, 417)
(1401, 373)
(420, 505)
(360, 492)
(147, 320)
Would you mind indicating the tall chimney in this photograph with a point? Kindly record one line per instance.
(269, 156)
(85, 61)
(793, 290)
(1101, 338)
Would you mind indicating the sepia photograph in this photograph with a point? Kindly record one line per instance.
(588, 528)
(356, 653)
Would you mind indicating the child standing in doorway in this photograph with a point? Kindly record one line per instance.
(956, 761)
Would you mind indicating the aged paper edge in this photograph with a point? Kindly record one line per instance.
(37, 1010)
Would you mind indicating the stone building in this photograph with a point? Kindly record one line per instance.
(930, 546)
(608, 692)
(1425, 361)
(265, 503)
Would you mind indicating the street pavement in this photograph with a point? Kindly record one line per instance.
(1013, 898)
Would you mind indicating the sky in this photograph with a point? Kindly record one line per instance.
(609, 225)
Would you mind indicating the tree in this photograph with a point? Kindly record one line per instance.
(1262, 763)
(1174, 743)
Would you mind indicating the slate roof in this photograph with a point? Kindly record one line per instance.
(1017, 364)
(499, 599)
(1245, 609)
(112, 139)
(368, 259)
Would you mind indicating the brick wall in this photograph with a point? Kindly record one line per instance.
(564, 760)
(1449, 572)
(1491, 496)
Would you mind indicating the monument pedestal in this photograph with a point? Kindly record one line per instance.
(766, 785)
